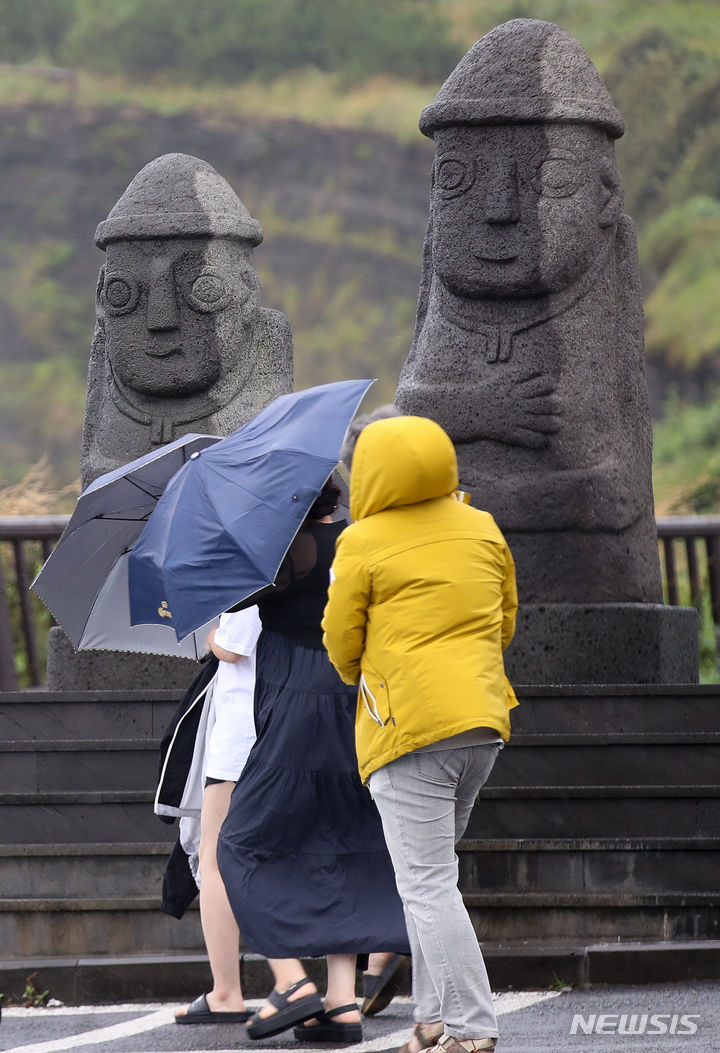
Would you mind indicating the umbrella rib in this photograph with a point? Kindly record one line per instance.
(142, 489)
(124, 519)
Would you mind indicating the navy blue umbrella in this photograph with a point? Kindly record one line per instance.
(223, 525)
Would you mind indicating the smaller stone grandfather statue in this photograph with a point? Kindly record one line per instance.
(528, 346)
(181, 342)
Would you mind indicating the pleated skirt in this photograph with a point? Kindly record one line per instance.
(302, 851)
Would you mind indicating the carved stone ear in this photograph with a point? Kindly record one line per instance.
(611, 194)
(99, 336)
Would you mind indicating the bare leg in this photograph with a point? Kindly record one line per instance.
(340, 989)
(286, 971)
(377, 962)
(341, 986)
(222, 937)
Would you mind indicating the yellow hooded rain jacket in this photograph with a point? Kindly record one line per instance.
(422, 600)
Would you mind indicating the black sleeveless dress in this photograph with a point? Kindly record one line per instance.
(302, 851)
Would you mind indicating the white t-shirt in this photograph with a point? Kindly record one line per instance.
(233, 732)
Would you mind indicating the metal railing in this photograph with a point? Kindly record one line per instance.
(25, 544)
(689, 557)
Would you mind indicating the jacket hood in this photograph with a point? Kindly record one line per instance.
(401, 461)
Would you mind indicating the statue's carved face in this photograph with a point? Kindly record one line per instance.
(177, 312)
(521, 210)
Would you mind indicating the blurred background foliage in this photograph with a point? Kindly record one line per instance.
(309, 108)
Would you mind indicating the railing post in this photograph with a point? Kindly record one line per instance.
(8, 675)
(670, 572)
(23, 586)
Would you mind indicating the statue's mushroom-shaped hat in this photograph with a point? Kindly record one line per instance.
(176, 196)
(521, 71)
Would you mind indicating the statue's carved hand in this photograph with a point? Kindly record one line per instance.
(530, 415)
(518, 410)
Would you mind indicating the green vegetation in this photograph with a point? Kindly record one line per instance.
(35, 494)
(687, 456)
(681, 249)
(123, 66)
(221, 40)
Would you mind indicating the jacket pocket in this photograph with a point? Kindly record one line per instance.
(373, 693)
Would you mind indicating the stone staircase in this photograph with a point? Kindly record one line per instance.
(601, 821)
(81, 852)
(596, 842)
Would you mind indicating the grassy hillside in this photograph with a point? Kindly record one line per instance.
(322, 145)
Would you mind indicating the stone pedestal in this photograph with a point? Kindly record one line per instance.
(604, 643)
(71, 670)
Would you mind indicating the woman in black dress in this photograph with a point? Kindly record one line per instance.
(302, 851)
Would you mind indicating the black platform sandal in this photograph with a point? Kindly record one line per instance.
(288, 1013)
(379, 991)
(329, 1030)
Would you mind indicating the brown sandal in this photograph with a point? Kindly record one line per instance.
(426, 1034)
(448, 1044)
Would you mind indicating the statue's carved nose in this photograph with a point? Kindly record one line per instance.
(162, 308)
(502, 199)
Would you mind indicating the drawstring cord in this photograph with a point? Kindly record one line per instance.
(365, 694)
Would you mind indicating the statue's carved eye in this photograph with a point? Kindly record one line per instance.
(556, 174)
(209, 291)
(454, 175)
(121, 292)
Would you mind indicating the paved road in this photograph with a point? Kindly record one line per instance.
(657, 1019)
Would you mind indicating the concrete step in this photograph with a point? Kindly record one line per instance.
(89, 926)
(592, 811)
(82, 818)
(596, 812)
(137, 926)
(618, 709)
(569, 709)
(528, 760)
(98, 980)
(576, 865)
(27, 715)
(84, 927)
(582, 760)
(62, 766)
(100, 871)
(659, 865)
(47, 766)
(577, 917)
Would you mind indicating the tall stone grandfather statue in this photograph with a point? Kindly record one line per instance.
(528, 346)
(528, 350)
(181, 342)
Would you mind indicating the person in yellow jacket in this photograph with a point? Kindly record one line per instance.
(421, 605)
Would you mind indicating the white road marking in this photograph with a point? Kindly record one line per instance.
(512, 1001)
(101, 1034)
(151, 1018)
(89, 1010)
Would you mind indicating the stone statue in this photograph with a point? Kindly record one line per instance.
(528, 346)
(181, 345)
(181, 342)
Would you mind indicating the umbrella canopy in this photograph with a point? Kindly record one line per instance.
(225, 521)
(84, 583)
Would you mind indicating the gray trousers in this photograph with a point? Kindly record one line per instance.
(424, 800)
